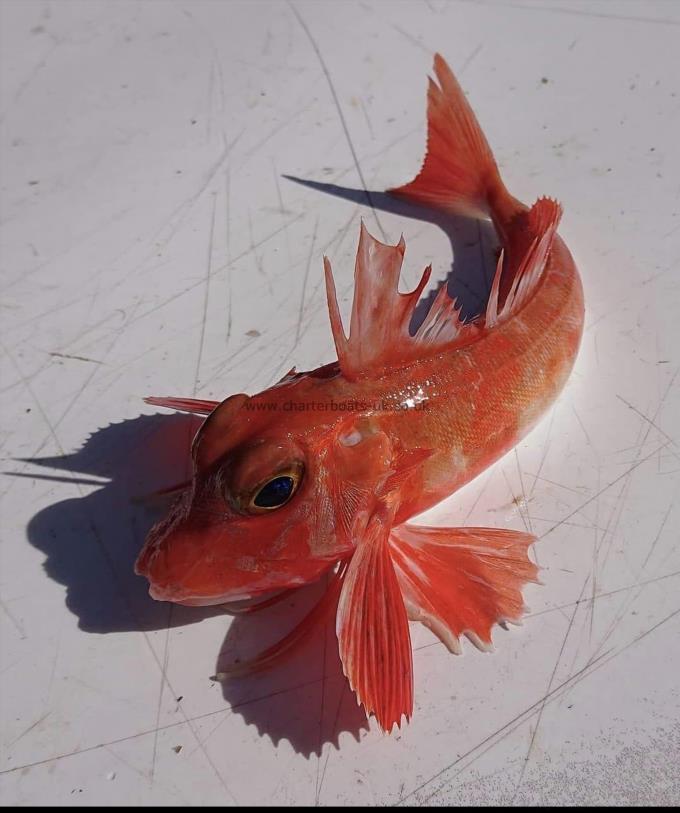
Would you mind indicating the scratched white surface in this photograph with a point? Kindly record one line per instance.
(150, 245)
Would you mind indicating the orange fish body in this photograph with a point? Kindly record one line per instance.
(325, 468)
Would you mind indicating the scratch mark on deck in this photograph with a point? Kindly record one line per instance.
(305, 281)
(343, 122)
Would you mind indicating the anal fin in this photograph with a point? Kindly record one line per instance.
(281, 649)
(462, 581)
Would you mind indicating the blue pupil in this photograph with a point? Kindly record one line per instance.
(275, 492)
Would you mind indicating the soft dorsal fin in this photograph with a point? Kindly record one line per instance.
(517, 276)
(379, 337)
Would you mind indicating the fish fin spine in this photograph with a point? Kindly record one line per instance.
(459, 172)
(462, 581)
(194, 405)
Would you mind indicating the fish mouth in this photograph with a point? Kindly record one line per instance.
(178, 596)
(161, 593)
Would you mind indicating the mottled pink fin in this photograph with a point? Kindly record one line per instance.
(379, 337)
(194, 405)
(462, 581)
(459, 172)
(372, 630)
(515, 282)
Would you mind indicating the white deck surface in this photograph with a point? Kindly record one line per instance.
(150, 245)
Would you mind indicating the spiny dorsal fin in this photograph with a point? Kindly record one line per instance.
(379, 337)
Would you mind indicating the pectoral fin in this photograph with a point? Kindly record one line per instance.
(372, 630)
(462, 581)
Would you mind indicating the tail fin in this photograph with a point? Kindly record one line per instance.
(459, 173)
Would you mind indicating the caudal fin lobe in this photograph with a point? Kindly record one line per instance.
(459, 173)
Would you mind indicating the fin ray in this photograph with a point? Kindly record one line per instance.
(194, 405)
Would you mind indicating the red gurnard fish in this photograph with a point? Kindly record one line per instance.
(321, 472)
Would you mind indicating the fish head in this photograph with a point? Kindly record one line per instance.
(274, 502)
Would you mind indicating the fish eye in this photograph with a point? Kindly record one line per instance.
(275, 492)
